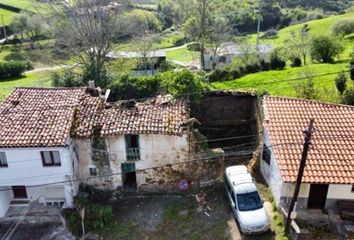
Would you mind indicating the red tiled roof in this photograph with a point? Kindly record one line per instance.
(331, 155)
(161, 115)
(43, 117)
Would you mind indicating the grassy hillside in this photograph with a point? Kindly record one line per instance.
(29, 80)
(320, 26)
(282, 83)
(7, 16)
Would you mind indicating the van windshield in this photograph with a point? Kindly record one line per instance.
(249, 201)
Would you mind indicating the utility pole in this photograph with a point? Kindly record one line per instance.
(258, 29)
(307, 143)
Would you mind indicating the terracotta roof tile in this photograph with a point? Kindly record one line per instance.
(331, 156)
(161, 115)
(43, 117)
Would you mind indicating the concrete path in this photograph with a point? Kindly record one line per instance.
(46, 69)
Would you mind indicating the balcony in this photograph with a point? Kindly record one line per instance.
(133, 154)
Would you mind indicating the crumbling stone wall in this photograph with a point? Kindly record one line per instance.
(227, 114)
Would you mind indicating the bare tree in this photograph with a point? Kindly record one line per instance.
(219, 34)
(86, 29)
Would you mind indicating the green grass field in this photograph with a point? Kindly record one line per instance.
(7, 16)
(182, 55)
(29, 80)
(277, 82)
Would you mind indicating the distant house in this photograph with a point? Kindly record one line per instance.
(226, 52)
(329, 171)
(37, 154)
(153, 60)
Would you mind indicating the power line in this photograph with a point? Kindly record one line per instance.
(229, 154)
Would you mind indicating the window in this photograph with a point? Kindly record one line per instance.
(3, 161)
(50, 158)
(266, 154)
(132, 147)
(249, 201)
(93, 171)
(352, 188)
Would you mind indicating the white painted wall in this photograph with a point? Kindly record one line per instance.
(25, 168)
(155, 150)
(5, 199)
(339, 191)
(271, 172)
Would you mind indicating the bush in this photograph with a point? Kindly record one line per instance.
(11, 69)
(128, 87)
(179, 41)
(341, 82)
(348, 96)
(325, 48)
(15, 56)
(182, 82)
(343, 27)
(68, 78)
(296, 62)
(266, 66)
(194, 47)
(252, 68)
(219, 75)
(271, 33)
(276, 63)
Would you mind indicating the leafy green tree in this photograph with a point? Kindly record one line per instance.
(307, 88)
(343, 27)
(324, 48)
(141, 20)
(348, 96)
(183, 82)
(341, 82)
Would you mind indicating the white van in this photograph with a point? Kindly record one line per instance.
(245, 201)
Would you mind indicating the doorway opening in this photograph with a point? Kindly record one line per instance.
(129, 177)
(317, 196)
(19, 192)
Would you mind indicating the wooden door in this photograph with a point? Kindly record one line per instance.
(317, 196)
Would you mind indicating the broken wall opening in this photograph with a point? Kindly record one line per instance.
(231, 116)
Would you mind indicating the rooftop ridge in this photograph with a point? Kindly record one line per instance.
(309, 101)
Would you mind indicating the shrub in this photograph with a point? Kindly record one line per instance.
(277, 63)
(235, 73)
(341, 82)
(15, 56)
(128, 87)
(179, 41)
(325, 48)
(194, 47)
(343, 27)
(252, 68)
(182, 82)
(11, 69)
(296, 62)
(219, 75)
(266, 66)
(67, 78)
(271, 33)
(348, 96)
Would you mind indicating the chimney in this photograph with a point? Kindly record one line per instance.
(91, 84)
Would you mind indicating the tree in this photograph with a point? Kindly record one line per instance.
(306, 89)
(178, 83)
(325, 48)
(348, 96)
(343, 27)
(219, 34)
(341, 82)
(19, 24)
(86, 30)
(297, 46)
(199, 26)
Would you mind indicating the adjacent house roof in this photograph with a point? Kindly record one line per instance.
(161, 115)
(331, 156)
(44, 117)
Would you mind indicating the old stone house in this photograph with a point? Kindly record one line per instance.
(328, 176)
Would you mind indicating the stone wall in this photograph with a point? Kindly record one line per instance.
(227, 114)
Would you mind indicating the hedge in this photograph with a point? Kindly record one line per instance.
(12, 69)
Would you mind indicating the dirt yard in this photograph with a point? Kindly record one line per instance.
(176, 217)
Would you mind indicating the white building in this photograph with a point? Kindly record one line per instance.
(37, 158)
(228, 51)
(137, 136)
(328, 175)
